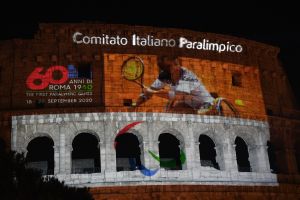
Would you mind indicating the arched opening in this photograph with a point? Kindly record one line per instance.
(169, 152)
(207, 152)
(85, 154)
(242, 155)
(128, 152)
(40, 155)
(272, 157)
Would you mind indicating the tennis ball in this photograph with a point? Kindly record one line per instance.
(239, 102)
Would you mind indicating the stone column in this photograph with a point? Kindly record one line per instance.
(258, 157)
(142, 156)
(65, 155)
(146, 156)
(65, 150)
(154, 147)
(189, 150)
(196, 156)
(110, 129)
(56, 160)
(220, 156)
(68, 159)
(151, 143)
(110, 156)
(14, 132)
(230, 162)
(62, 153)
(102, 155)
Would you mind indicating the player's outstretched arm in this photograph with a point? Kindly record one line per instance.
(149, 92)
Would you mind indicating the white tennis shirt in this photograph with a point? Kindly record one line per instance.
(189, 84)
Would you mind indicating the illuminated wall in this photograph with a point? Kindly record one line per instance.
(238, 84)
(264, 85)
(60, 86)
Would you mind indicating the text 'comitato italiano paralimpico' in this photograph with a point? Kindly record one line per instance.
(152, 41)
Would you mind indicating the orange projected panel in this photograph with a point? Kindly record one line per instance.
(151, 83)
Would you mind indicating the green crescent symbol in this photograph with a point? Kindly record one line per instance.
(171, 163)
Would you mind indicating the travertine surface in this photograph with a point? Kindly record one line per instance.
(62, 128)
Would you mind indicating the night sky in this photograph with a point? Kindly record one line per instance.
(276, 24)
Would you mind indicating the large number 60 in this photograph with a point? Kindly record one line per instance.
(38, 81)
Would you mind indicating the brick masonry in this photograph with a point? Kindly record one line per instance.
(200, 192)
(216, 76)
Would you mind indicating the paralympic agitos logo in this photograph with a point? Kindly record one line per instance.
(145, 171)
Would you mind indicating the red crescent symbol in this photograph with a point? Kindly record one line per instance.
(125, 129)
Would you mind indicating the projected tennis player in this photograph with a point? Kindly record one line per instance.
(179, 85)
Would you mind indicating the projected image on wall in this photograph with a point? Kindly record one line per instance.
(167, 83)
(181, 87)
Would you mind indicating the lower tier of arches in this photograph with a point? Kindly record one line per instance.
(94, 149)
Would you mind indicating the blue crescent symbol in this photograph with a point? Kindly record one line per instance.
(148, 172)
(145, 171)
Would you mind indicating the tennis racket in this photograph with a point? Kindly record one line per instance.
(133, 70)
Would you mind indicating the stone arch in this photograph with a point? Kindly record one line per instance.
(178, 135)
(140, 137)
(214, 131)
(248, 134)
(40, 154)
(99, 137)
(242, 155)
(126, 162)
(85, 158)
(208, 153)
(174, 132)
(217, 139)
(256, 140)
(136, 133)
(36, 135)
(139, 132)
